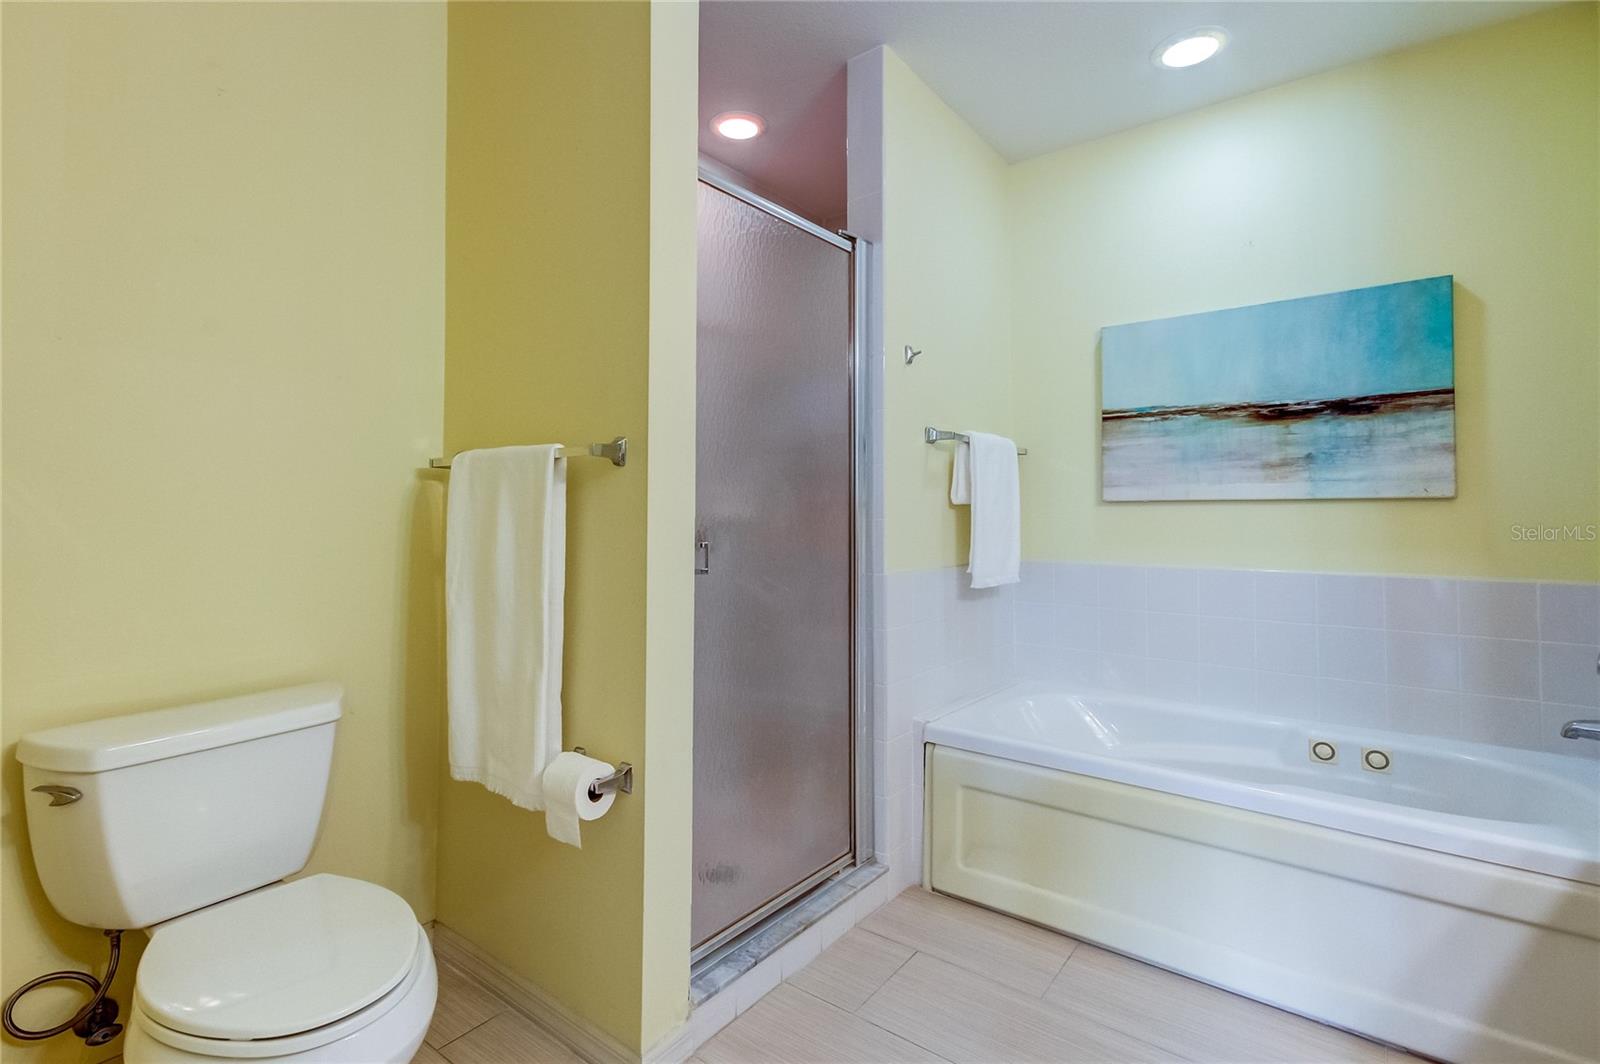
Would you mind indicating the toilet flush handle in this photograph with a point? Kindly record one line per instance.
(60, 795)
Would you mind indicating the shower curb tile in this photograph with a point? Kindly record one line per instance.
(800, 951)
(764, 944)
(756, 984)
(707, 1018)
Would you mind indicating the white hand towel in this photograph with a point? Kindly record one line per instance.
(986, 475)
(505, 586)
(961, 475)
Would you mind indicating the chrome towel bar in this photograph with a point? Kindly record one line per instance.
(933, 435)
(616, 451)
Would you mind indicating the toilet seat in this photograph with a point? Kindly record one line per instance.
(389, 1029)
(281, 970)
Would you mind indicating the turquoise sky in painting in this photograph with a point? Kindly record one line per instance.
(1366, 341)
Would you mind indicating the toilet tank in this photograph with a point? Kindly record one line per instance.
(178, 808)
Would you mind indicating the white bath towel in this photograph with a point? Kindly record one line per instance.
(985, 478)
(505, 585)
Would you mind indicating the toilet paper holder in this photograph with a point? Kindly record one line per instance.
(620, 780)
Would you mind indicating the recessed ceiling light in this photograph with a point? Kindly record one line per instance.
(1191, 47)
(738, 125)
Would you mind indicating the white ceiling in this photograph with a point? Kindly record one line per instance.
(1030, 77)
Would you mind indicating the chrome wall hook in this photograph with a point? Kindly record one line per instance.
(911, 354)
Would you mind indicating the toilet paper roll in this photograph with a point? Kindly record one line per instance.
(566, 795)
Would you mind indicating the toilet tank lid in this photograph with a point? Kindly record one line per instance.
(117, 742)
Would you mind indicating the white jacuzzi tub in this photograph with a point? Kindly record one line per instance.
(1519, 808)
(1450, 905)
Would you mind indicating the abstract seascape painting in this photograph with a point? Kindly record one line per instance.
(1343, 396)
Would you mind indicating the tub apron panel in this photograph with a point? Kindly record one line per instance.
(1460, 959)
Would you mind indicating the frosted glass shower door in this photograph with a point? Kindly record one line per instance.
(773, 777)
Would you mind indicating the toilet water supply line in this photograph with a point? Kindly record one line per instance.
(94, 1023)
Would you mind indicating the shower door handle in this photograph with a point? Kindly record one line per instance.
(702, 556)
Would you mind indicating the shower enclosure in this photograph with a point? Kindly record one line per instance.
(775, 741)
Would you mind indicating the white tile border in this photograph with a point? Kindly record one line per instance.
(1421, 654)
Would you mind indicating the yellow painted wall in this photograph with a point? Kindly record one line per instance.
(947, 291)
(558, 244)
(223, 364)
(1474, 156)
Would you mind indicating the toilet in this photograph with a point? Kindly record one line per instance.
(184, 822)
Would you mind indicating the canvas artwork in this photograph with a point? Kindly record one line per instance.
(1340, 396)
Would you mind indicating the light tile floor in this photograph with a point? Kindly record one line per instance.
(931, 978)
(473, 1026)
(928, 978)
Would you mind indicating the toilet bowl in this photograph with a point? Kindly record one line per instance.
(324, 968)
(186, 822)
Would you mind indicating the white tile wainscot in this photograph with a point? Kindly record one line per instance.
(1498, 661)
(938, 642)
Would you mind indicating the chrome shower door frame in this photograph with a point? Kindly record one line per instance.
(864, 409)
(861, 709)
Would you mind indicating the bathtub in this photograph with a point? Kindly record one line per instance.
(1450, 904)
